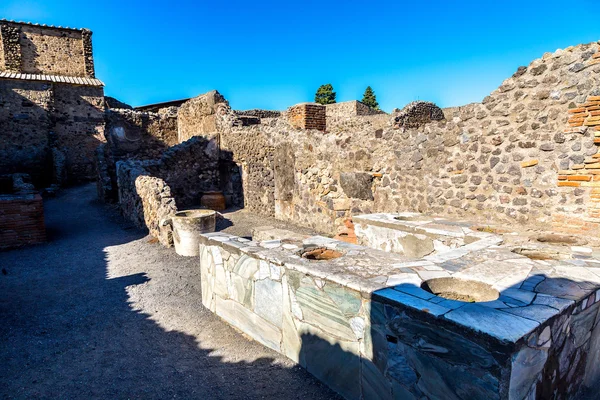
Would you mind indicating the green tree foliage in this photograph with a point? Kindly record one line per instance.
(325, 94)
(370, 99)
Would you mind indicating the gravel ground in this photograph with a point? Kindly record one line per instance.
(101, 311)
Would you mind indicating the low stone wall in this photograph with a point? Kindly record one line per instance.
(158, 205)
(151, 191)
(190, 169)
(362, 324)
(348, 109)
(259, 113)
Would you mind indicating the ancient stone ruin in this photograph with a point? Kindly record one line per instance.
(458, 253)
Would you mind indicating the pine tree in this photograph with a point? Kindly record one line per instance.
(369, 98)
(325, 94)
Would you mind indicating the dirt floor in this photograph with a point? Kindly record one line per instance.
(101, 311)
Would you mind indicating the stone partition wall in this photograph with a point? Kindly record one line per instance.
(146, 200)
(200, 116)
(496, 161)
(150, 191)
(254, 155)
(133, 135)
(78, 115)
(349, 109)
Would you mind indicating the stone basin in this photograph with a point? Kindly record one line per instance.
(188, 225)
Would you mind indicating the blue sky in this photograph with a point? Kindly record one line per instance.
(273, 54)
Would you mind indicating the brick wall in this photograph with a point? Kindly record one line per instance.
(21, 220)
(307, 116)
(583, 176)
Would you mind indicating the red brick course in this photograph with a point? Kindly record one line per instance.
(21, 220)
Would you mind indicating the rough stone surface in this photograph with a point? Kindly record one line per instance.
(41, 119)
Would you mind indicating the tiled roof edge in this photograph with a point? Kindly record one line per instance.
(82, 81)
(42, 25)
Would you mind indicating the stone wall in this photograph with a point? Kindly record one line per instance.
(52, 113)
(351, 108)
(200, 116)
(141, 135)
(498, 160)
(251, 151)
(149, 191)
(78, 115)
(259, 113)
(25, 125)
(145, 200)
(133, 135)
(11, 49)
(36, 49)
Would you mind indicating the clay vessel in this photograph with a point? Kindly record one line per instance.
(213, 201)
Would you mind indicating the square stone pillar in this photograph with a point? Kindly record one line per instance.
(307, 116)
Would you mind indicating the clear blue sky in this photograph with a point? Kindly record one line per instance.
(273, 54)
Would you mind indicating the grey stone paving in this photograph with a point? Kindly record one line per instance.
(103, 312)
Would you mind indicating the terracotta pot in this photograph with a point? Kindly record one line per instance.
(213, 200)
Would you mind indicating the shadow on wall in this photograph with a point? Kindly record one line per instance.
(44, 136)
(71, 329)
(25, 145)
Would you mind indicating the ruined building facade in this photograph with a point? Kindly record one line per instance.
(51, 104)
(527, 154)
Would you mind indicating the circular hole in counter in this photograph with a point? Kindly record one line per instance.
(540, 253)
(489, 229)
(410, 218)
(460, 289)
(563, 240)
(319, 253)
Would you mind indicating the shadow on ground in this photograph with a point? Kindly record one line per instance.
(101, 312)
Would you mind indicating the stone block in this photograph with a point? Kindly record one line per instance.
(259, 329)
(357, 185)
(268, 300)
